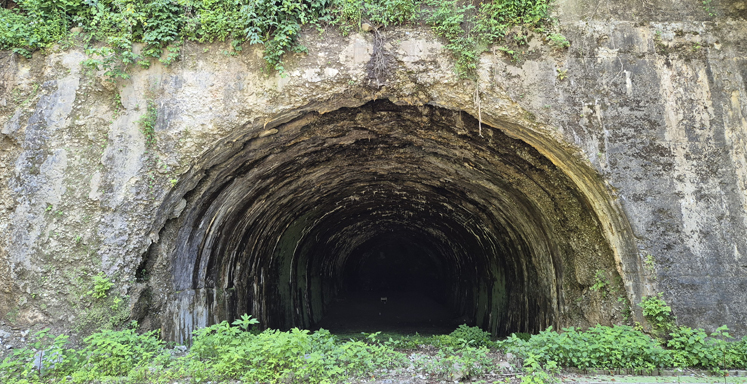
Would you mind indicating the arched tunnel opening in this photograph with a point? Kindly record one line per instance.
(383, 217)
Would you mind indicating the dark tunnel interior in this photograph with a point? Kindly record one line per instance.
(381, 217)
(393, 282)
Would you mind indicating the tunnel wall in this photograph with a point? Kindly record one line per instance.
(648, 122)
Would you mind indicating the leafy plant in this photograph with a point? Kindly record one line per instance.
(232, 352)
(694, 348)
(558, 41)
(115, 353)
(627, 312)
(602, 283)
(535, 373)
(599, 347)
(472, 336)
(350, 14)
(44, 357)
(649, 264)
(657, 312)
(101, 285)
(522, 336)
(148, 124)
(235, 351)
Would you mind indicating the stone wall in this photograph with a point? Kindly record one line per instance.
(645, 114)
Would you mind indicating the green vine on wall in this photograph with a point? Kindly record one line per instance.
(111, 27)
(148, 124)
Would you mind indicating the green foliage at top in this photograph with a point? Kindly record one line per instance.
(350, 14)
(111, 27)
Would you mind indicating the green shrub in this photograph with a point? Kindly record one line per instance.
(558, 41)
(522, 335)
(694, 348)
(45, 356)
(147, 124)
(535, 373)
(227, 353)
(101, 285)
(31, 30)
(115, 353)
(473, 336)
(105, 354)
(350, 14)
(614, 347)
(657, 312)
(621, 346)
(408, 342)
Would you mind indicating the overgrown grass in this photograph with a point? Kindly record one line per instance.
(111, 27)
(225, 352)
(237, 352)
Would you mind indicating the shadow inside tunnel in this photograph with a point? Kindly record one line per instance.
(400, 312)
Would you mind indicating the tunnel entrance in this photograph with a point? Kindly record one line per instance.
(311, 222)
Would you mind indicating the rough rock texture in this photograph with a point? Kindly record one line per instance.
(621, 160)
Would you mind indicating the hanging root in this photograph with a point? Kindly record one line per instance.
(377, 65)
(479, 107)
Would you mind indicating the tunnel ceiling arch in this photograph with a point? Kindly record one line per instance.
(286, 221)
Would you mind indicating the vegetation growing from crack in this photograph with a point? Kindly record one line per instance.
(101, 286)
(110, 28)
(239, 352)
(602, 283)
(148, 124)
(100, 307)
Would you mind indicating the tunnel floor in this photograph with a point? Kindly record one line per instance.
(403, 312)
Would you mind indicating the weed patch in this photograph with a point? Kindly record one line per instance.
(623, 347)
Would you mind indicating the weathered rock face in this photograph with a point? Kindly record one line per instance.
(618, 164)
